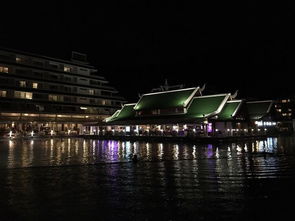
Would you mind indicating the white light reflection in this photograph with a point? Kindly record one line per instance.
(175, 151)
(160, 151)
(194, 152)
(217, 153)
(148, 149)
(239, 149)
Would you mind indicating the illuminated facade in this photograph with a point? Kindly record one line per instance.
(49, 95)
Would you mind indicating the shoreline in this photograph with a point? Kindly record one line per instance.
(152, 139)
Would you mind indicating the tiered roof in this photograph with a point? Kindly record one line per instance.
(259, 109)
(230, 110)
(207, 106)
(196, 108)
(166, 99)
(127, 112)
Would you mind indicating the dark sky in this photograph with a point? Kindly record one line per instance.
(246, 46)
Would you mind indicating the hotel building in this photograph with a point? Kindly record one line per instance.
(49, 95)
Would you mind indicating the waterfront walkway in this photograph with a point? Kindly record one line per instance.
(178, 139)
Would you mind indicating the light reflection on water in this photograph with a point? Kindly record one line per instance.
(73, 151)
(169, 179)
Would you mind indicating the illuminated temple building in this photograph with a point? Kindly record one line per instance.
(49, 95)
(187, 111)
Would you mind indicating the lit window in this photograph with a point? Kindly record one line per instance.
(289, 110)
(290, 114)
(284, 114)
(18, 60)
(103, 102)
(279, 110)
(284, 101)
(23, 95)
(22, 83)
(3, 93)
(52, 97)
(67, 69)
(3, 69)
(83, 108)
(35, 85)
(91, 92)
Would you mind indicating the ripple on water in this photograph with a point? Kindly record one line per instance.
(62, 178)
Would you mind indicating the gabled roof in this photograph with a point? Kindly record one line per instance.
(166, 99)
(258, 109)
(207, 106)
(126, 112)
(230, 110)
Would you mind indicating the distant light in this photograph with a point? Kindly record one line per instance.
(32, 133)
(10, 134)
(194, 130)
(228, 130)
(51, 132)
(69, 131)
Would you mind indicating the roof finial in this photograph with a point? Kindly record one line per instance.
(202, 89)
(166, 85)
(234, 95)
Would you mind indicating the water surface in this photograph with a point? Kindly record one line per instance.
(76, 178)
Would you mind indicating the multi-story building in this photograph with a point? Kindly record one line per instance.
(285, 112)
(39, 93)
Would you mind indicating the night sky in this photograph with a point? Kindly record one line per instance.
(246, 46)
